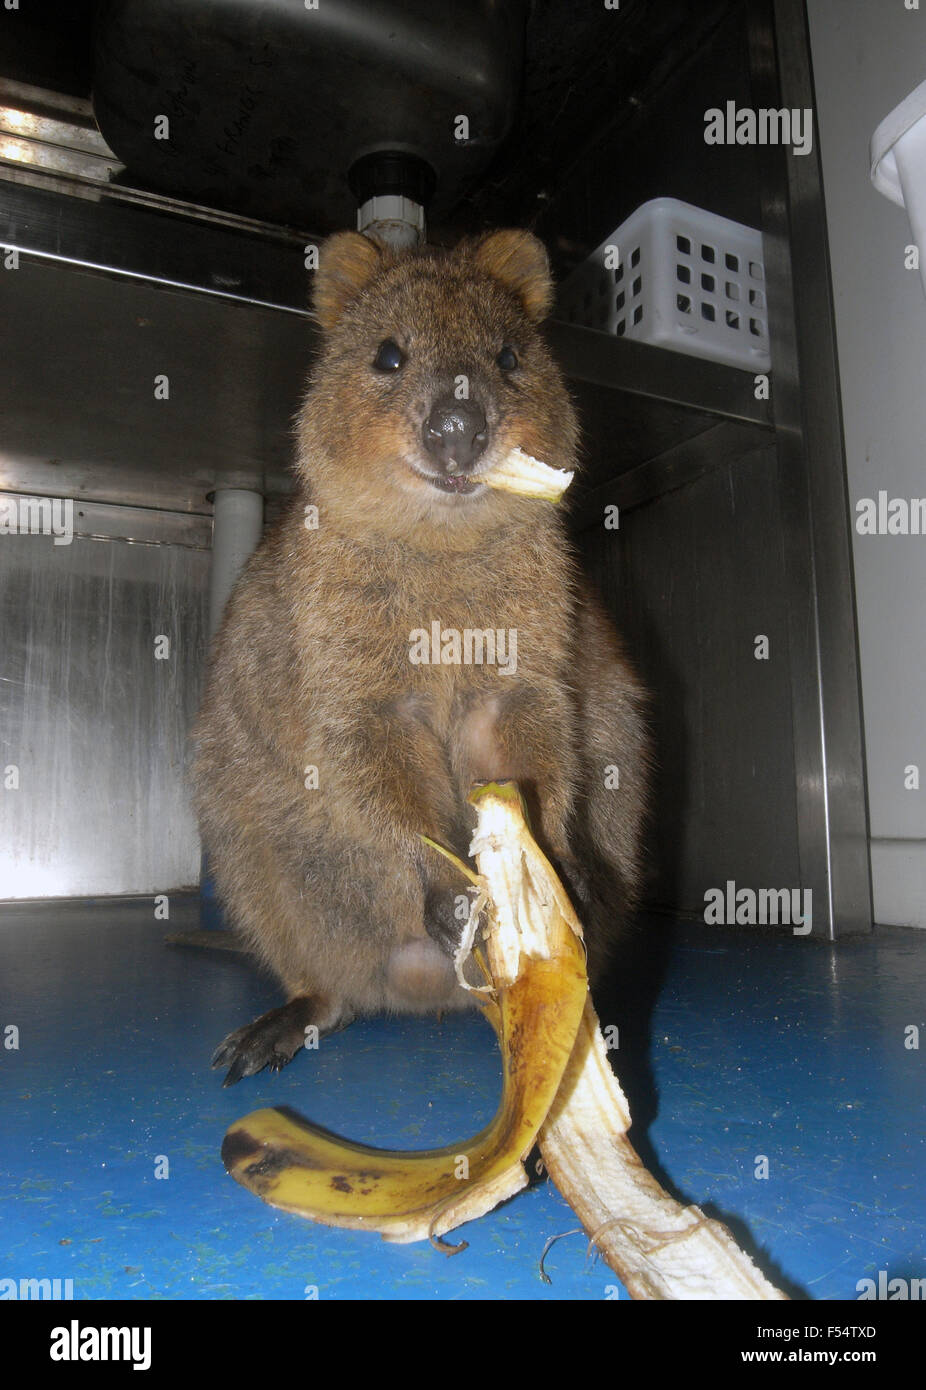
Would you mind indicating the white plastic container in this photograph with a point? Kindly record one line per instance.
(686, 280)
(898, 163)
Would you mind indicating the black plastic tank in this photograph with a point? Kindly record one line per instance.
(270, 103)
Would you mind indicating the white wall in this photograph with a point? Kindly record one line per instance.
(867, 56)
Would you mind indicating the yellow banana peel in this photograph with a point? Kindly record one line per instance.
(539, 987)
(559, 1090)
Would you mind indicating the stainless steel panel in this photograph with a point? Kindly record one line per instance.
(657, 473)
(795, 563)
(653, 374)
(46, 131)
(94, 723)
(77, 393)
(65, 517)
(815, 508)
(148, 236)
(725, 796)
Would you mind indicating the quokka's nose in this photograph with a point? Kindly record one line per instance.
(455, 434)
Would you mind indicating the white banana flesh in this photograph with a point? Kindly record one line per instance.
(522, 473)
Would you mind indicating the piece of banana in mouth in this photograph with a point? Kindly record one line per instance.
(521, 473)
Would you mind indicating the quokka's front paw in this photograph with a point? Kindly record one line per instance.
(576, 880)
(446, 911)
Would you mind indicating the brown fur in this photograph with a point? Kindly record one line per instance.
(332, 887)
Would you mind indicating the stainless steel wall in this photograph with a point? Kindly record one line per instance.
(725, 802)
(92, 721)
(735, 510)
(94, 724)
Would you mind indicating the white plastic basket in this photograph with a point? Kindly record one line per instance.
(686, 280)
(898, 163)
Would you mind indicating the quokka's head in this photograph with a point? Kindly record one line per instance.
(431, 369)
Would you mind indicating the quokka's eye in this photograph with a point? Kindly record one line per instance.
(389, 356)
(507, 359)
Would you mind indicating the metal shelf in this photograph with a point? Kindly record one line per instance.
(657, 375)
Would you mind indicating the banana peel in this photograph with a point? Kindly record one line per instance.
(660, 1249)
(534, 993)
(559, 1090)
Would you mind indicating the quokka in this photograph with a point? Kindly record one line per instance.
(431, 369)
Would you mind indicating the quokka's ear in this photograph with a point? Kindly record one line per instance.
(346, 262)
(520, 262)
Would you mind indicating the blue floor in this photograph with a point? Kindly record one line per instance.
(737, 1045)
